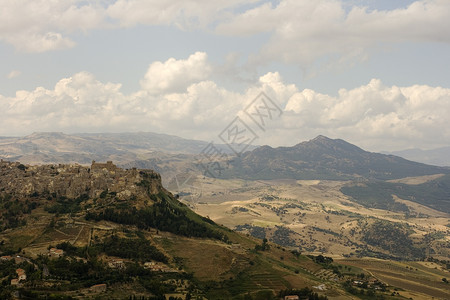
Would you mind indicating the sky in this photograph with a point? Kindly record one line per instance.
(375, 73)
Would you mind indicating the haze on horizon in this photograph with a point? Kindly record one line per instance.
(374, 73)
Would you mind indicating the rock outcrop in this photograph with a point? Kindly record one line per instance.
(73, 180)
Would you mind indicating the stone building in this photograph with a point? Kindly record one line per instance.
(54, 252)
(22, 276)
(109, 166)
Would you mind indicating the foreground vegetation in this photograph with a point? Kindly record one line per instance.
(148, 245)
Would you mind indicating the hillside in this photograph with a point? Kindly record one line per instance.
(405, 243)
(75, 232)
(378, 194)
(321, 216)
(324, 158)
(112, 233)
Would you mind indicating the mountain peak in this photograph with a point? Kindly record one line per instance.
(321, 138)
(321, 141)
(325, 158)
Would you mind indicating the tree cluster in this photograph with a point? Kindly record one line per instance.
(65, 205)
(12, 211)
(161, 215)
(263, 247)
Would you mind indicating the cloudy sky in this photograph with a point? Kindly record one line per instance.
(373, 72)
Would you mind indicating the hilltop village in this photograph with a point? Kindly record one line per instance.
(64, 238)
(73, 180)
(102, 231)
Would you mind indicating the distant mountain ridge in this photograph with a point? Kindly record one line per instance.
(122, 148)
(437, 157)
(319, 158)
(324, 158)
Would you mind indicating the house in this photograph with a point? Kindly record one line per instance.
(54, 252)
(109, 166)
(321, 287)
(14, 281)
(149, 264)
(157, 267)
(21, 274)
(5, 258)
(116, 264)
(154, 267)
(291, 297)
(98, 288)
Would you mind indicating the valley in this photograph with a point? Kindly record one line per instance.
(321, 219)
(73, 232)
(313, 215)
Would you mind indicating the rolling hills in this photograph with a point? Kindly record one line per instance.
(121, 228)
(379, 194)
(319, 158)
(105, 232)
(122, 148)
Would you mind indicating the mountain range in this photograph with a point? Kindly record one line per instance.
(438, 157)
(324, 158)
(319, 158)
(57, 147)
(119, 227)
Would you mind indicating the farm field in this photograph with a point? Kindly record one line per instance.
(314, 215)
(417, 280)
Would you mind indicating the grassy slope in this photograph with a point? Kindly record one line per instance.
(378, 194)
(220, 269)
(419, 280)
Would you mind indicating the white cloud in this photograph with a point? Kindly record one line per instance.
(42, 25)
(41, 42)
(179, 101)
(14, 74)
(176, 75)
(374, 116)
(303, 31)
(184, 14)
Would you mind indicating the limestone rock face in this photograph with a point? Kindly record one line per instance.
(73, 180)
